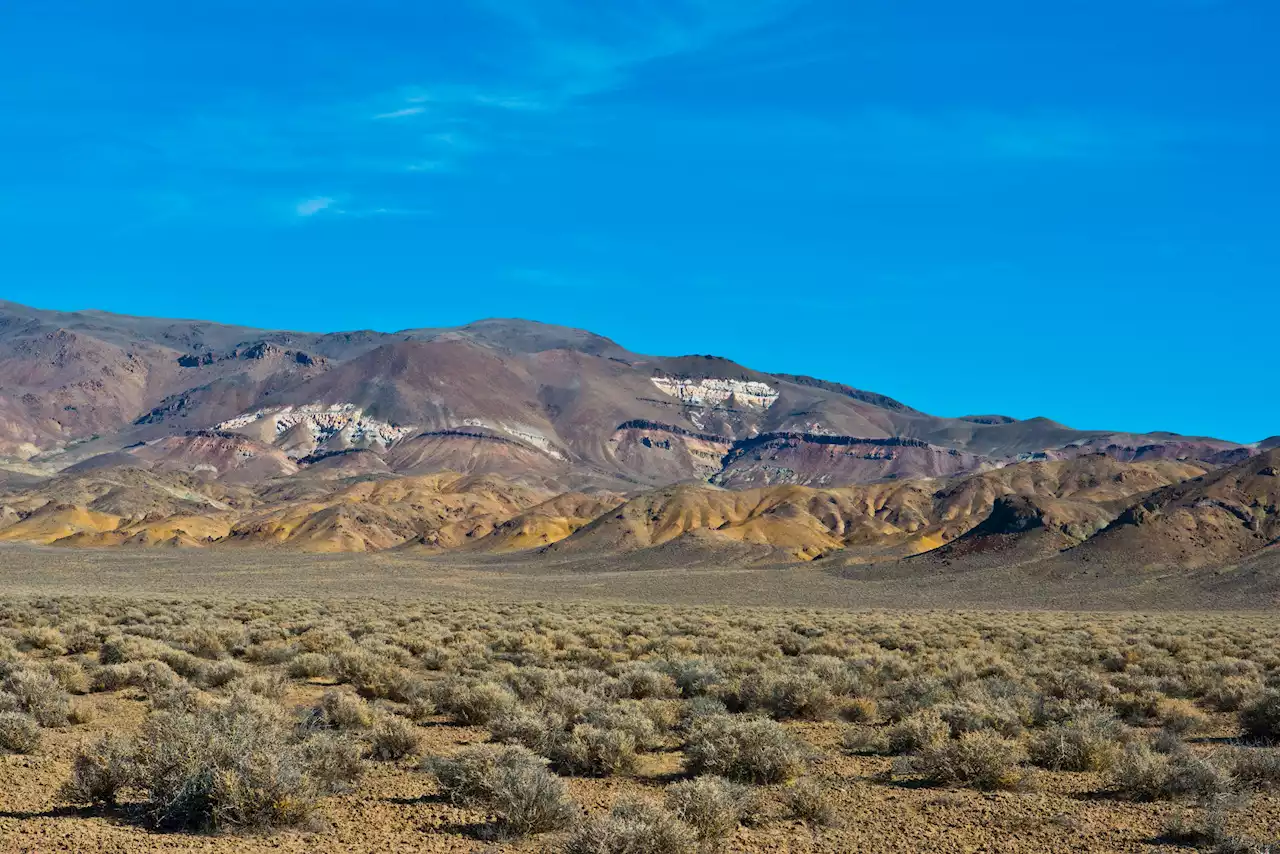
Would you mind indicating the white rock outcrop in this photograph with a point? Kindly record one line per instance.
(712, 392)
(324, 420)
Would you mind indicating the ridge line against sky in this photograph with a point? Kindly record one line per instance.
(993, 207)
(693, 351)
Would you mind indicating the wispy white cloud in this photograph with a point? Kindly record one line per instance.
(311, 207)
(569, 50)
(430, 166)
(543, 61)
(560, 53)
(331, 207)
(555, 74)
(401, 113)
(370, 212)
(510, 102)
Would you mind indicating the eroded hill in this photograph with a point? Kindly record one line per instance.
(508, 436)
(507, 397)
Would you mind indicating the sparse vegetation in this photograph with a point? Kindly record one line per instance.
(100, 772)
(1148, 774)
(1261, 718)
(634, 827)
(228, 766)
(713, 807)
(1089, 741)
(748, 750)
(393, 738)
(19, 733)
(511, 782)
(808, 801)
(982, 760)
(679, 725)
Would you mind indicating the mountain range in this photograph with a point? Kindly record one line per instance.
(506, 436)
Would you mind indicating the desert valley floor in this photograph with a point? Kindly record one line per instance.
(982, 710)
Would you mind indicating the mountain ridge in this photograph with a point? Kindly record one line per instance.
(506, 436)
(76, 384)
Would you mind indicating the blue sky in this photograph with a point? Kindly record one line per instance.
(1061, 209)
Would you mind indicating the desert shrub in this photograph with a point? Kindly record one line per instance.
(1211, 827)
(100, 772)
(918, 731)
(333, 761)
(1232, 693)
(435, 658)
(865, 740)
(44, 638)
(474, 703)
(339, 711)
(711, 806)
(1075, 684)
(324, 639)
(1261, 718)
(419, 710)
(633, 827)
(82, 640)
(19, 733)
(694, 677)
(183, 663)
(270, 653)
(116, 650)
(1138, 709)
(525, 727)
(156, 677)
(509, 782)
(913, 694)
(1167, 741)
(1181, 716)
(589, 751)
(642, 682)
(569, 703)
(309, 665)
(218, 674)
(976, 715)
(834, 673)
(114, 677)
(40, 696)
(227, 767)
(204, 642)
(180, 698)
(532, 684)
(981, 760)
(747, 750)
(268, 684)
(374, 677)
(393, 738)
(860, 710)
(1256, 767)
(696, 709)
(630, 717)
(81, 713)
(665, 715)
(1145, 774)
(69, 675)
(1088, 742)
(800, 696)
(807, 801)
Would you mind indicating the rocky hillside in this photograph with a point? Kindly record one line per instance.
(317, 508)
(525, 400)
(508, 436)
